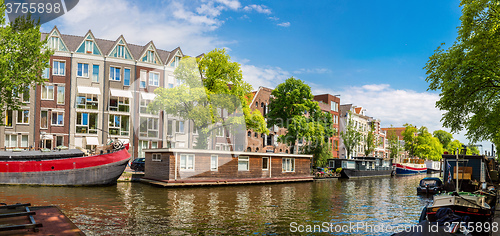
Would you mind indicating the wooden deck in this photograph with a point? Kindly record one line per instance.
(53, 222)
(223, 182)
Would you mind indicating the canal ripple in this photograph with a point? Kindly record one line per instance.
(139, 209)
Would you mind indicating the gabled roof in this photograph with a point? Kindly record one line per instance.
(173, 53)
(55, 30)
(85, 38)
(72, 42)
(146, 48)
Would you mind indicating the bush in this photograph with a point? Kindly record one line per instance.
(338, 170)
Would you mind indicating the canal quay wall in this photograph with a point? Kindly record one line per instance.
(191, 167)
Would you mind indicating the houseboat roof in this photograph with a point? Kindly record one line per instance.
(23, 155)
(204, 151)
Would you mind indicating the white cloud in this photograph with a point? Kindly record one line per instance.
(170, 24)
(232, 4)
(313, 71)
(267, 77)
(284, 24)
(258, 8)
(273, 18)
(392, 106)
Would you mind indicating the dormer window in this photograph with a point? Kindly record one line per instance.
(121, 51)
(175, 61)
(88, 47)
(56, 43)
(150, 56)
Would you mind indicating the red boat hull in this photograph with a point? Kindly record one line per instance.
(90, 170)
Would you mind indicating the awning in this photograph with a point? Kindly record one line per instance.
(148, 96)
(78, 142)
(89, 90)
(120, 93)
(46, 137)
(92, 141)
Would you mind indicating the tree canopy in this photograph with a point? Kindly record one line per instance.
(292, 107)
(444, 137)
(370, 141)
(394, 144)
(428, 147)
(23, 57)
(351, 137)
(212, 91)
(467, 73)
(410, 138)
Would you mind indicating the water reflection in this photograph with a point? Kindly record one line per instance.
(138, 209)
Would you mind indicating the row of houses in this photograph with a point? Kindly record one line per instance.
(98, 90)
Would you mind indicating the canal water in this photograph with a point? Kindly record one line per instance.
(369, 206)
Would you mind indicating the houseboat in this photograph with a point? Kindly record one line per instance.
(362, 166)
(433, 167)
(63, 167)
(195, 167)
(472, 195)
(411, 166)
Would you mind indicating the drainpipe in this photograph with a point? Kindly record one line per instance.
(175, 170)
(103, 102)
(270, 168)
(68, 104)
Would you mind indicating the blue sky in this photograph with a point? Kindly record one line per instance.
(370, 52)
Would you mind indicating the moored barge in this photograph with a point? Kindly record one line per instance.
(362, 167)
(63, 167)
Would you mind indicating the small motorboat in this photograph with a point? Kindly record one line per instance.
(430, 185)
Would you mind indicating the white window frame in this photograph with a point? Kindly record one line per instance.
(57, 70)
(8, 142)
(46, 73)
(288, 164)
(112, 125)
(46, 87)
(84, 70)
(156, 157)
(24, 145)
(47, 120)
(154, 79)
(87, 102)
(89, 43)
(94, 131)
(129, 74)
(186, 162)
(142, 81)
(94, 79)
(114, 69)
(120, 102)
(23, 121)
(63, 94)
(244, 160)
(214, 162)
(267, 160)
(178, 126)
(150, 121)
(57, 120)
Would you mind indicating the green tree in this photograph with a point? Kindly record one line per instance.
(23, 57)
(394, 144)
(410, 138)
(467, 73)
(292, 107)
(472, 149)
(428, 147)
(211, 87)
(454, 145)
(370, 141)
(350, 136)
(444, 137)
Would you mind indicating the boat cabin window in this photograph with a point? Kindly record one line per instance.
(348, 165)
(386, 163)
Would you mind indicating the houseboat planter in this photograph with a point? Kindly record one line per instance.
(194, 167)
